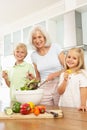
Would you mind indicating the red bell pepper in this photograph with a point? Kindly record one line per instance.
(42, 108)
(25, 109)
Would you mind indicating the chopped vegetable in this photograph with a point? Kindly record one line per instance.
(30, 85)
(8, 111)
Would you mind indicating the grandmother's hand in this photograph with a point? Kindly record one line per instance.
(54, 75)
(51, 76)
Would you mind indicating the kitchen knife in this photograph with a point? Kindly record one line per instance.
(53, 113)
(42, 83)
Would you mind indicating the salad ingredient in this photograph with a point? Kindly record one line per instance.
(25, 109)
(36, 111)
(69, 71)
(32, 105)
(8, 111)
(30, 84)
(42, 108)
(16, 107)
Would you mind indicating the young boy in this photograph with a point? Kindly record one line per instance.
(15, 77)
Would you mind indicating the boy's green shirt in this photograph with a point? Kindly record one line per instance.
(17, 76)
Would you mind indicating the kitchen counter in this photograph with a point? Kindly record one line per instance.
(72, 120)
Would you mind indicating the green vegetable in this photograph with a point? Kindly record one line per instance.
(30, 85)
(16, 107)
(8, 111)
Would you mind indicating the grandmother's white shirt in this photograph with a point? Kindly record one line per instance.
(48, 63)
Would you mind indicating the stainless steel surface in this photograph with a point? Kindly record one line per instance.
(42, 83)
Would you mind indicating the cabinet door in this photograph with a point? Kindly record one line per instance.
(7, 44)
(26, 36)
(17, 36)
(55, 28)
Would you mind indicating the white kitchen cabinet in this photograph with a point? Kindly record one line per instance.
(59, 25)
(7, 44)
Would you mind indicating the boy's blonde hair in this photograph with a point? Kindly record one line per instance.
(80, 54)
(43, 32)
(21, 45)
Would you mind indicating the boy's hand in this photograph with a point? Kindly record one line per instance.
(4, 75)
(29, 76)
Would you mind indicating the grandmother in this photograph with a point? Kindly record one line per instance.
(48, 61)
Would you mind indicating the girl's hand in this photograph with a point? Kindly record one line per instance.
(4, 75)
(66, 75)
(82, 108)
(69, 71)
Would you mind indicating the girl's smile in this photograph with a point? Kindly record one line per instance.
(72, 60)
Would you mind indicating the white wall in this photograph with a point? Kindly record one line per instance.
(36, 17)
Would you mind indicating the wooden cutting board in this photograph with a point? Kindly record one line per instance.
(31, 115)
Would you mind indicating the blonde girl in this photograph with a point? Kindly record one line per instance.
(73, 82)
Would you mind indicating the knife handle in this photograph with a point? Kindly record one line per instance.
(54, 114)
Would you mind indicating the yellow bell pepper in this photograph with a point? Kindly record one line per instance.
(69, 71)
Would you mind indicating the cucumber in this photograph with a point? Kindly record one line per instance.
(8, 111)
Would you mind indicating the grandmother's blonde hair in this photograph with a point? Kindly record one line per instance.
(43, 32)
(80, 54)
